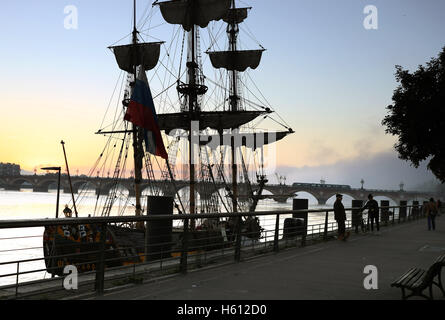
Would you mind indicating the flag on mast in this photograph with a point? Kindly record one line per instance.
(141, 112)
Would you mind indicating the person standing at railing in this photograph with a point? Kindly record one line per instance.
(373, 212)
(431, 211)
(340, 217)
(67, 212)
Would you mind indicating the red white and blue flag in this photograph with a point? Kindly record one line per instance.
(141, 112)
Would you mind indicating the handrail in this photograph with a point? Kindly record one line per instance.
(270, 238)
(29, 223)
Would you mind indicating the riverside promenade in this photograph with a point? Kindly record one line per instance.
(324, 271)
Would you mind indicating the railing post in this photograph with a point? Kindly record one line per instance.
(276, 246)
(100, 271)
(325, 234)
(238, 240)
(17, 280)
(184, 253)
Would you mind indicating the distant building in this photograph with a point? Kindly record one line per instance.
(9, 169)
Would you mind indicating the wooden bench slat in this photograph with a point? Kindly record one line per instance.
(405, 277)
(422, 282)
(416, 278)
(441, 259)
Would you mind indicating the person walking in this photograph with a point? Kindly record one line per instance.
(431, 211)
(373, 212)
(340, 217)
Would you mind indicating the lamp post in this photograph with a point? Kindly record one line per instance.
(69, 177)
(58, 186)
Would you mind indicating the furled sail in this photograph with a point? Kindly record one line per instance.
(217, 120)
(193, 12)
(249, 140)
(236, 60)
(132, 55)
(236, 15)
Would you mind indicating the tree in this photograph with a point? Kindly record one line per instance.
(417, 115)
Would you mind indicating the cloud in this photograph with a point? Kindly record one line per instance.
(379, 171)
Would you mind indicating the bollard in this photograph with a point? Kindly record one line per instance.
(301, 204)
(424, 208)
(356, 215)
(384, 211)
(100, 271)
(402, 210)
(158, 235)
(415, 210)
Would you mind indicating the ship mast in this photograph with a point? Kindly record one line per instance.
(191, 14)
(137, 134)
(233, 30)
(133, 58)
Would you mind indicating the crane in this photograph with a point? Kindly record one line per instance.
(281, 179)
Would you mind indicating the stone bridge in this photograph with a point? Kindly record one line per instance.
(280, 193)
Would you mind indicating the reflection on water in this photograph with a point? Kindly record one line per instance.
(22, 244)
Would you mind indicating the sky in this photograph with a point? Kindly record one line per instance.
(328, 76)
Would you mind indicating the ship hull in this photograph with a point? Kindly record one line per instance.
(80, 246)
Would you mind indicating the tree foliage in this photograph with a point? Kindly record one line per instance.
(417, 115)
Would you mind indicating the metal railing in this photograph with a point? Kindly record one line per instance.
(174, 249)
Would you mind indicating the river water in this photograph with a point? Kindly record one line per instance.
(26, 243)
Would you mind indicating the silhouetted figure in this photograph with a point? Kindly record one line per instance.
(373, 212)
(67, 211)
(431, 211)
(340, 217)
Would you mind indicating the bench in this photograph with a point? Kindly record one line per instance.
(417, 280)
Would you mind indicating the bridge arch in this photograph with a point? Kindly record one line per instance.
(380, 197)
(148, 191)
(84, 184)
(312, 198)
(46, 183)
(224, 196)
(122, 189)
(347, 199)
(18, 183)
(184, 193)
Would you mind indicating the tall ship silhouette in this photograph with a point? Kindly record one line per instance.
(182, 114)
